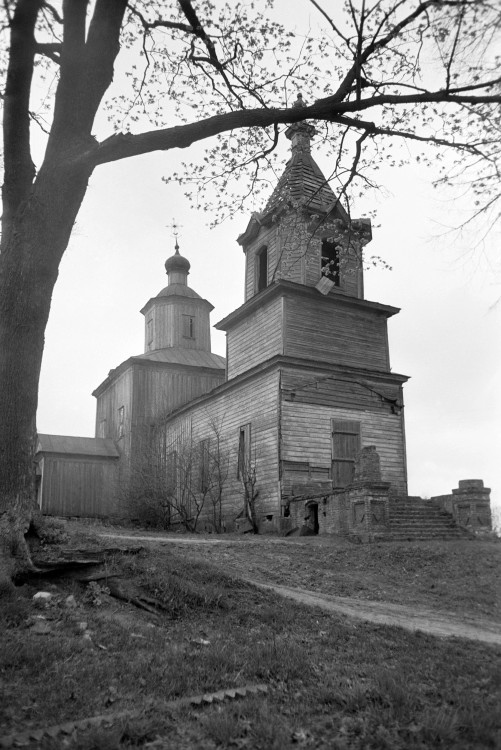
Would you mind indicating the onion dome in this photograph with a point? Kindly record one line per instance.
(177, 263)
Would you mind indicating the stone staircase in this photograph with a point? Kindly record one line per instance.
(415, 518)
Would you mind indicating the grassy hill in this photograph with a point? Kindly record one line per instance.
(331, 682)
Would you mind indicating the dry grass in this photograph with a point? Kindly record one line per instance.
(333, 682)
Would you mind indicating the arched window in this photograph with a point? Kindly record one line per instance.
(330, 261)
(261, 269)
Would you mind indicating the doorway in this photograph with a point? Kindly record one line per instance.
(312, 517)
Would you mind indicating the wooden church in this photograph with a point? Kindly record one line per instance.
(301, 424)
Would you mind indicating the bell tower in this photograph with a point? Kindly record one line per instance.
(304, 234)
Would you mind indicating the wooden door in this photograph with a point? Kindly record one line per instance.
(345, 446)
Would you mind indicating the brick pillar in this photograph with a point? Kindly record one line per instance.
(471, 505)
(368, 504)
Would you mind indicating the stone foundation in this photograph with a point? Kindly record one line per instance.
(362, 510)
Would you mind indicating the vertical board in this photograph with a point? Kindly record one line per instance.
(251, 406)
(306, 437)
(255, 338)
(319, 330)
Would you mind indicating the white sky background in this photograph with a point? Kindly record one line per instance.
(446, 337)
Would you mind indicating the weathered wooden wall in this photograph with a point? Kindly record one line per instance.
(79, 486)
(118, 394)
(160, 390)
(254, 402)
(166, 314)
(255, 338)
(267, 237)
(307, 428)
(294, 254)
(319, 330)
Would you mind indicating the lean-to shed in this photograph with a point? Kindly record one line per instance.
(77, 476)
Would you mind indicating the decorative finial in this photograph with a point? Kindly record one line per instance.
(300, 133)
(175, 227)
(299, 101)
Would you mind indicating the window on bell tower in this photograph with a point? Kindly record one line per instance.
(330, 261)
(188, 327)
(261, 269)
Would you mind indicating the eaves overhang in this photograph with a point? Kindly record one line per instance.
(281, 288)
(173, 299)
(114, 374)
(281, 361)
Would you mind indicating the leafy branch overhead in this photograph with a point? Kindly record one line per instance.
(370, 72)
(86, 83)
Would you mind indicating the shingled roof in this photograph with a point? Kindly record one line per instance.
(302, 182)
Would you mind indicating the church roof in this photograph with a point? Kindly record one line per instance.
(302, 183)
(178, 356)
(71, 444)
(178, 290)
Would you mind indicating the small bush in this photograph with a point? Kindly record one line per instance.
(49, 530)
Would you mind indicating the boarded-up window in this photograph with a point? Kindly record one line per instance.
(330, 261)
(121, 421)
(244, 447)
(149, 334)
(345, 446)
(188, 326)
(204, 448)
(262, 269)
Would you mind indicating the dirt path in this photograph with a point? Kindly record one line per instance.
(384, 613)
(255, 562)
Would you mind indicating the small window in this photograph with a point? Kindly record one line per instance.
(149, 334)
(262, 269)
(204, 447)
(188, 326)
(244, 447)
(330, 261)
(121, 421)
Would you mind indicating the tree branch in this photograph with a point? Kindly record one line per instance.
(160, 22)
(52, 50)
(121, 146)
(193, 20)
(86, 67)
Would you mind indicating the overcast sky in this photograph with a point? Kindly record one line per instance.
(446, 336)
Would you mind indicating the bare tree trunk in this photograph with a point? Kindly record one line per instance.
(30, 255)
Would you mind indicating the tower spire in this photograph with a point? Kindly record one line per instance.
(300, 133)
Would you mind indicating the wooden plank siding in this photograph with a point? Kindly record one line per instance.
(332, 333)
(292, 253)
(341, 389)
(159, 390)
(254, 402)
(267, 237)
(166, 315)
(118, 394)
(256, 337)
(306, 436)
(78, 486)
